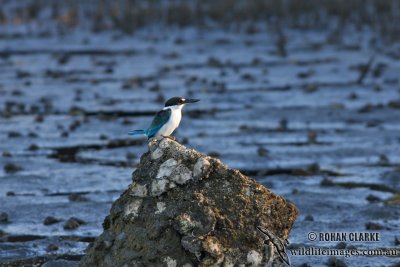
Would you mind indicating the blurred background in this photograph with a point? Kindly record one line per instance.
(302, 95)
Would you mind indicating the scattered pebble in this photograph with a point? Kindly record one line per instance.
(373, 198)
(7, 154)
(51, 247)
(130, 156)
(283, 125)
(103, 137)
(12, 168)
(309, 218)
(13, 134)
(33, 147)
(77, 198)
(383, 160)
(341, 245)
(73, 223)
(327, 182)
(51, 220)
(262, 152)
(3, 217)
(2, 233)
(10, 194)
(373, 226)
(312, 137)
(335, 262)
(32, 135)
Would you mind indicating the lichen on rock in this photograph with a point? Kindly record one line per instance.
(187, 209)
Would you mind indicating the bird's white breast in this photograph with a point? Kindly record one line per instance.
(173, 122)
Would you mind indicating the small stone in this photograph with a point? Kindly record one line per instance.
(373, 198)
(341, 245)
(130, 156)
(327, 182)
(73, 223)
(7, 154)
(262, 152)
(2, 233)
(335, 262)
(3, 217)
(396, 241)
(51, 247)
(10, 194)
(51, 220)
(383, 160)
(33, 147)
(12, 168)
(14, 134)
(77, 198)
(309, 218)
(312, 137)
(373, 226)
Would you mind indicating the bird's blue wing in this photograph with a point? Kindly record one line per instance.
(159, 120)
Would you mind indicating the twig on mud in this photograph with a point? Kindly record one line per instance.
(364, 69)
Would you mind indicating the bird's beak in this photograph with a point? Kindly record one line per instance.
(187, 101)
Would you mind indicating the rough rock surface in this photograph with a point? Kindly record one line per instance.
(187, 209)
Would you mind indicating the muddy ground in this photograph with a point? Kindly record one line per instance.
(319, 126)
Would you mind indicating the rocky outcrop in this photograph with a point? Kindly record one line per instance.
(187, 209)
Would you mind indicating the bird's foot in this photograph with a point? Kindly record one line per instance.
(169, 137)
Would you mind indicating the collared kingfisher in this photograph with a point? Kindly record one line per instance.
(166, 120)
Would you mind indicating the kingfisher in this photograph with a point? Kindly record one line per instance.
(166, 120)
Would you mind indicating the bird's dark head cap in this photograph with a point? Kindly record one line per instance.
(177, 100)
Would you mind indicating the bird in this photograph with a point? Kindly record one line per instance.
(166, 120)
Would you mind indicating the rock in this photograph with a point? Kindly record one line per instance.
(73, 223)
(188, 209)
(77, 198)
(12, 168)
(3, 217)
(50, 220)
(396, 241)
(341, 245)
(51, 247)
(335, 262)
(372, 198)
(60, 263)
(373, 226)
(309, 218)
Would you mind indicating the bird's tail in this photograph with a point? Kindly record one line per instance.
(137, 132)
